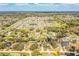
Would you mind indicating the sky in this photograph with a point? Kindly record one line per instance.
(38, 7)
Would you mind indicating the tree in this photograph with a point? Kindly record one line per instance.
(34, 46)
(18, 46)
(24, 30)
(42, 37)
(2, 45)
(1, 39)
(33, 36)
(8, 38)
(25, 39)
(54, 43)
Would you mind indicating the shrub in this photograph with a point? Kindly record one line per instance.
(4, 54)
(36, 53)
(24, 54)
(14, 54)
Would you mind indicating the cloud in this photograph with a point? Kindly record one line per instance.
(44, 4)
(49, 4)
(3, 4)
(21, 4)
(76, 3)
